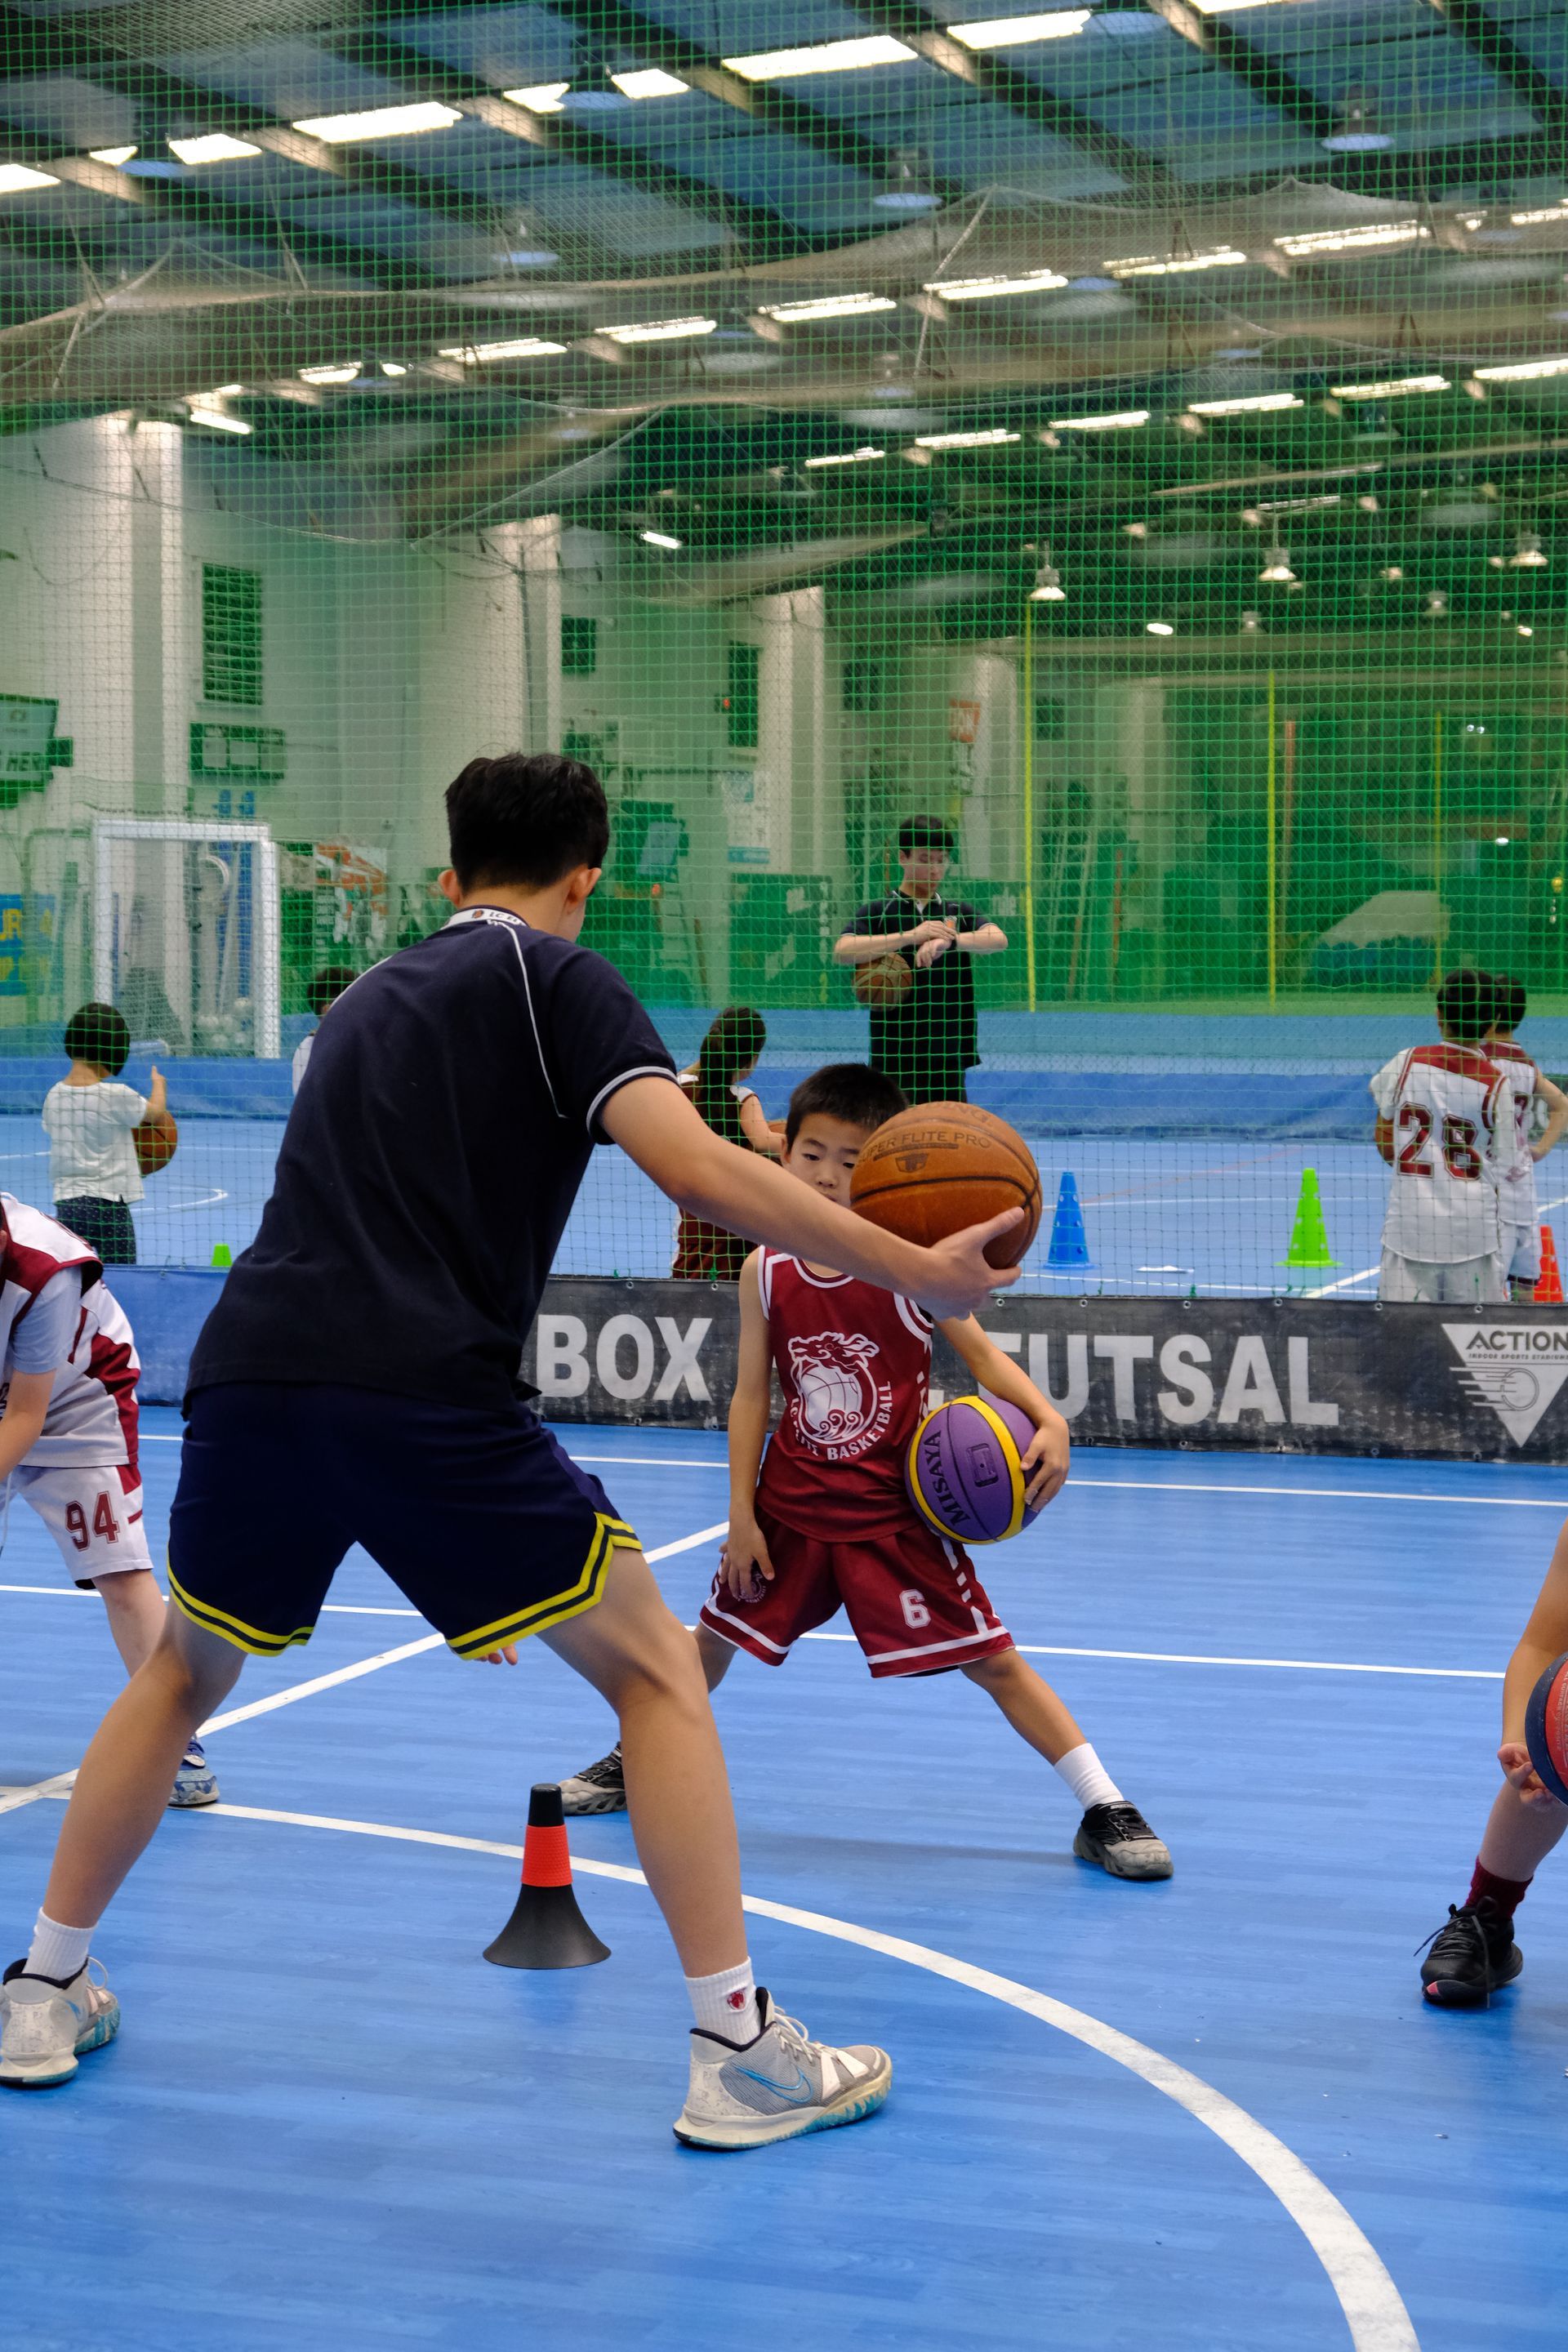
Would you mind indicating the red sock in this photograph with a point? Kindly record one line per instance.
(1507, 1894)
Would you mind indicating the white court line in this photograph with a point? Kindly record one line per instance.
(1331, 1493)
(1373, 2311)
(1348, 1282)
(1194, 1658)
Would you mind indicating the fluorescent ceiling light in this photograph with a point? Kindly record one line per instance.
(1245, 404)
(827, 57)
(216, 421)
(1159, 628)
(1394, 389)
(1149, 265)
(381, 122)
(212, 147)
(1352, 240)
(1214, 8)
(224, 390)
(115, 155)
(1003, 32)
(543, 99)
(991, 438)
(347, 372)
(1533, 220)
(846, 457)
(829, 305)
(1523, 370)
(659, 330)
(523, 347)
(16, 177)
(547, 97)
(393, 367)
(981, 289)
(661, 538)
(1121, 421)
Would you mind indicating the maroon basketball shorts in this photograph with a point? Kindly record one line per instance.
(911, 1596)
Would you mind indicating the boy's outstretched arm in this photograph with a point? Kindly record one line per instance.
(1556, 1103)
(746, 1552)
(655, 1125)
(1045, 1463)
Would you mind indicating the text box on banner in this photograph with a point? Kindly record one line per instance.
(1311, 1376)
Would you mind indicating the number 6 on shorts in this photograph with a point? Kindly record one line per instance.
(917, 1616)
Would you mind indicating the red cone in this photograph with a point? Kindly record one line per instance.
(546, 1929)
(1548, 1291)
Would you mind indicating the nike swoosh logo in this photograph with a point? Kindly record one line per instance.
(799, 2093)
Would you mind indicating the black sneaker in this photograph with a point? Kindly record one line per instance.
(598, 1788)
(1121, 1840)
(1465, 1962)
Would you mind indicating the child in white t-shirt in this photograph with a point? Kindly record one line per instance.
(322, 993)
(1445, 1127)
(91, 1124)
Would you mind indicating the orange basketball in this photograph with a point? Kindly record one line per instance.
(929, 1172)
(155, 1140)
(885, 981)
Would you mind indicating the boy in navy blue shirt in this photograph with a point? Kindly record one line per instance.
(359, 1382)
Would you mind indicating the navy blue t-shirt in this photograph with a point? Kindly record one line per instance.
(429, 1167)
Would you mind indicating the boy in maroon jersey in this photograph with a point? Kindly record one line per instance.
(826, 1521)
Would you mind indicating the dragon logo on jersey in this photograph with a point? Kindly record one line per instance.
(841, 1409)
(1517, 1369)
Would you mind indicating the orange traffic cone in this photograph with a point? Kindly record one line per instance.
(546, 1929)
(1548, 1291)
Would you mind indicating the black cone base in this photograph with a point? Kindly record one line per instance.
(546, 1930)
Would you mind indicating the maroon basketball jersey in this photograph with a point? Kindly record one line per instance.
(854, 1362)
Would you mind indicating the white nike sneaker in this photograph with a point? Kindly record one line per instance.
(779, 2086)
(46, 2025)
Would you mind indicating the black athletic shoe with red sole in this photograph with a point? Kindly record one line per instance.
(1466, 1961)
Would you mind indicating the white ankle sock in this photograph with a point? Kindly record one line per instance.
(1086, 1777)
(58, 1952)
(727, 2003)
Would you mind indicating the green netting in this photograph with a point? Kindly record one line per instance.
(1134, 442)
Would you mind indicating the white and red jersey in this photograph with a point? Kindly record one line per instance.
(91, 1417)
(1454, 1143)
(855, 1364)
(1522, 1078)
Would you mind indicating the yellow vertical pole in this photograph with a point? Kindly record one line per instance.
(1273, 848)
(1030, 798)
(1437, 840)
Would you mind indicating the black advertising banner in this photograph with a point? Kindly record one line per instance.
(1311, 1376)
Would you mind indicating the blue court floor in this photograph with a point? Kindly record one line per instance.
(1162, 1217)
(1210, 2115)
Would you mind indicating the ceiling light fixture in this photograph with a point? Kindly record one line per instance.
(1357, 133)
(828, 306)
(1007, 32)
(1537, 219)
(1277, 566)
(380, 122)
(216, 421)
(15, 178)
(660, 331)
(985, 289)
(862, 457)
(1245, 404)
(594, 91)
(1306, 242)
(523, 347)
(1523, 370)
(824, 57)
(393, 367)
(1251, 625)
(115, 155)
(650, 81)
(1120, 420)
(1395, 388)
(1435, 605)
(991, 438)
(1047, 588)
(347, 372)
(1159, 629)
(909, 187)
(1152, 264)
(1524, 630)
(1392, 572)
(1529, 554)
(212, 147)
(661, 539)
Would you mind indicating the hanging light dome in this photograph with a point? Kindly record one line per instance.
(1528, 555)
(1047, 588)
(1277, 567)
(591, 91)
(909, 187)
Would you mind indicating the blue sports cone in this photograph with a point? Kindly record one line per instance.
(1069, 1242)
(1309, 1250)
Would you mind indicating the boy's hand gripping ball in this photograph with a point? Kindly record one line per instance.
(929, 1173)
(965, 1470)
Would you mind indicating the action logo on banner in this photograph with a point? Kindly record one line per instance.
(1517, 1369)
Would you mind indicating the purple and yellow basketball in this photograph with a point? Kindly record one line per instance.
(1546, 1727)
(965, 1470)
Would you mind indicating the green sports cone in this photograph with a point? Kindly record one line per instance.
(1309, 1236)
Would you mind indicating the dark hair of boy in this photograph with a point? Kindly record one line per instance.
(525, 818)
(732, 1045)
(1508, 1003)
(926, 833)
(99, 1033)
(1466, 1005)
(328, 985)
(851, 1092)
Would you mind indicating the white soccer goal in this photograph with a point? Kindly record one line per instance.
(186, 933)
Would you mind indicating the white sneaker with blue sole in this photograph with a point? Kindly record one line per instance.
(47, 2024)
(779, 2086)
(195, 1783)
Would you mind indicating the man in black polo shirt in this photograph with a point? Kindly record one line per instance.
(925, 1040)
(358, 1382)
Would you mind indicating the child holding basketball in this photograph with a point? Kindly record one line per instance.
(91, 1120)
(826, 1521)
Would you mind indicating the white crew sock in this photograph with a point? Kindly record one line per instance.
(58, 1952)
(726, 2004)
(1086, 1777)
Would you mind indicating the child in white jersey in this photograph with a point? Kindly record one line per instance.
(68, 1433)
(91, 1121)
(1517, 1208)
(1445, 1126)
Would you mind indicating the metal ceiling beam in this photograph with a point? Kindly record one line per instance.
(1486, 40)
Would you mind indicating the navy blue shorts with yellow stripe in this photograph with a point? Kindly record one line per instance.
(481, 1519)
